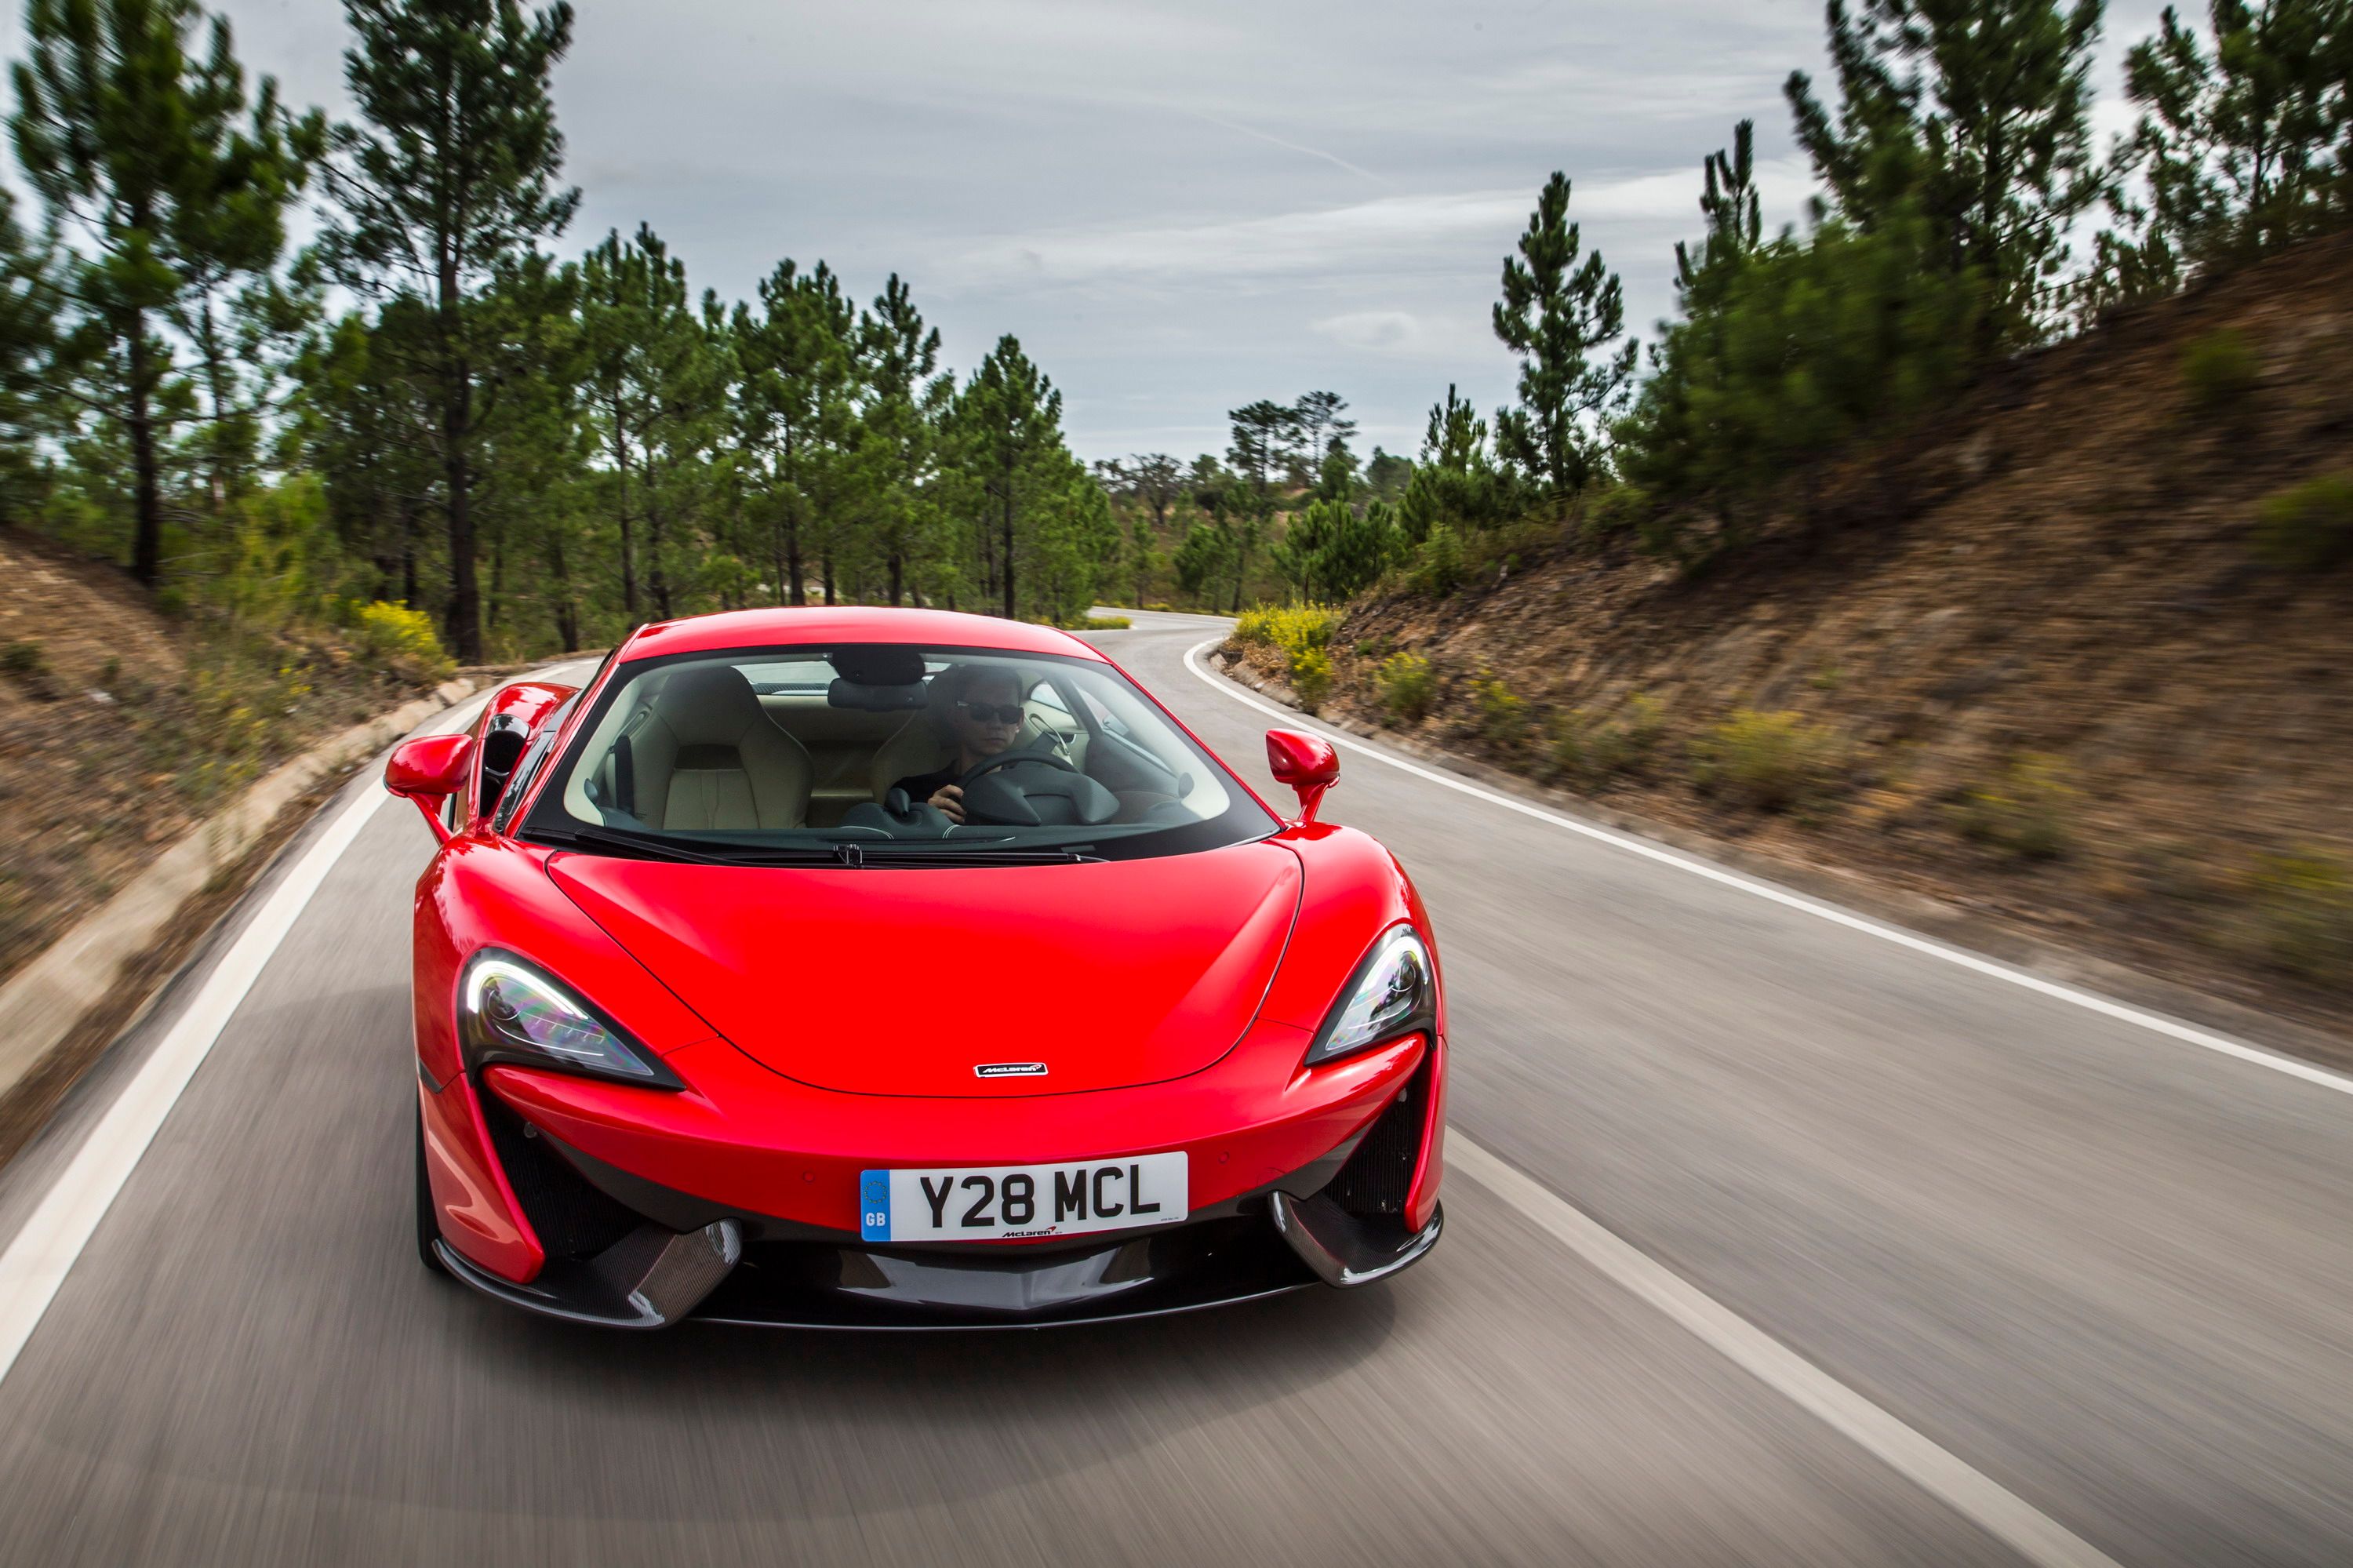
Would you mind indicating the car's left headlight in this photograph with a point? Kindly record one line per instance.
(1393, 992)
(509, 1011)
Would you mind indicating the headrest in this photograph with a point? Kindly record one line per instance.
(709, 704)
(878, 665)
(874, 699)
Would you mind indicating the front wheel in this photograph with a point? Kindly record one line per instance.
(428, 1223)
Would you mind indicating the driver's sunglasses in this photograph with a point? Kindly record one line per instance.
(983, 713)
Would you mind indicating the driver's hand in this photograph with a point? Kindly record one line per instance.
(949, 799)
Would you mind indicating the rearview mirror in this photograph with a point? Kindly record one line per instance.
(1305, 762)
(428, 770)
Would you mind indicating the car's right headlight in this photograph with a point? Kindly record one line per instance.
(1393, 992)
(509, 1011)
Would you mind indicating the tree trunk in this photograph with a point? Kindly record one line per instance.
(147, 502)
(825, 564)
(214, 383)
(796, 591)
(456, 421)
(408, 553)
(898, 577)
(621, 512)
(1009, 600)
(567, 615)
(465, 593)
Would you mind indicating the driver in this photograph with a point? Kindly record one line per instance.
(985, 714)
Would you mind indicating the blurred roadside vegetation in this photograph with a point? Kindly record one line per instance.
(1556, 584)
(433, 434)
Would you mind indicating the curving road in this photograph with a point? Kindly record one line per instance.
(1771, 1240)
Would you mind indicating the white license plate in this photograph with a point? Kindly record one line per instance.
(997, 1202)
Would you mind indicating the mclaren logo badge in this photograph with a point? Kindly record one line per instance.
(1009, 1070)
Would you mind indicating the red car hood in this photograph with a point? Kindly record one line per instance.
(894, 982)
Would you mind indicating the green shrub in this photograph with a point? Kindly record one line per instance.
(1437, 563)
(2218, 371)
(25, 658)
(2308, 526)
(1591, 750)
(1771, 761)
(402, 638)
(1503, 713)
(1311, 677)
(1102, 623)
(2303, 915)
(2026, 813)
(1409, 687)
(1615, 509)
(1293, 628)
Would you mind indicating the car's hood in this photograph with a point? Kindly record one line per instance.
(896, 981)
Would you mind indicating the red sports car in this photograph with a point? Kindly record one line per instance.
(882, 967)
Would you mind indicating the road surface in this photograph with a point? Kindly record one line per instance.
(1789, 1244)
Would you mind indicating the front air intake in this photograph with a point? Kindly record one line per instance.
(571, 1218)
(1378, 1175)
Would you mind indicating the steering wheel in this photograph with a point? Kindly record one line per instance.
(1008, 803)
(1007, 758)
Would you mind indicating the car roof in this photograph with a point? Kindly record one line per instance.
(820, 624)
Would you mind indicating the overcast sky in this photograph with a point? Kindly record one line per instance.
(1178, 208)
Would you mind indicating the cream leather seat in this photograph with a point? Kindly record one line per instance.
(706, 756)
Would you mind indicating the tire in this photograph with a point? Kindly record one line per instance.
(428, 1223)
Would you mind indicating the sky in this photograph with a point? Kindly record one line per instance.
(1177, 208)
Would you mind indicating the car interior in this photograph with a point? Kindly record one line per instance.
(819, 739)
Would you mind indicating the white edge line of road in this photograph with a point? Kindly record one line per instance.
(45, 1249)
(1967, 1491)
(2089, 1000)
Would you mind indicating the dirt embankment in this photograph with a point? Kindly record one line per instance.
(119, 732)
(2038, 664)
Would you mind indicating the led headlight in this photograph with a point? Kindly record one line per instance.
(1393, 992)
(509, 1011)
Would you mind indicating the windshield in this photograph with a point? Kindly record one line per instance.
(904, 752)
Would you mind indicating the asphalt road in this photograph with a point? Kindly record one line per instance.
(2094, 1270)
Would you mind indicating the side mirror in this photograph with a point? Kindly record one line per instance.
(428, 770)
(1305, 762)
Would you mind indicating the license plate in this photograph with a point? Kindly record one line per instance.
(1001, 1203)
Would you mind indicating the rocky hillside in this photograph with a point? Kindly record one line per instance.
(120, 730)
(2076, 656)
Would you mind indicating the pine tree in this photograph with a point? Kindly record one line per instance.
(795, 360)
(1318, 417)
(1975, 114)
(904, 404)
(2240, 149)
(1008, 419)
(146, 155)
(450, 173)
(1733, 211)
(1266, 435)
(1554, 315)
(661, 385)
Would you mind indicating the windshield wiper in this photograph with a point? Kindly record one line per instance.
(650, 846)
(899, 852)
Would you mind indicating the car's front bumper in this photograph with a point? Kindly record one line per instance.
(618, 1206)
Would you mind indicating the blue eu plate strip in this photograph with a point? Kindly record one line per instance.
(875, 1205)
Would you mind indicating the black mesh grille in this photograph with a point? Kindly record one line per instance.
(1377, 1176)
(572, 1218)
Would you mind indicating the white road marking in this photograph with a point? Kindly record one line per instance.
(44, 1251)
(1975, 1496)
(2090, 1000)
